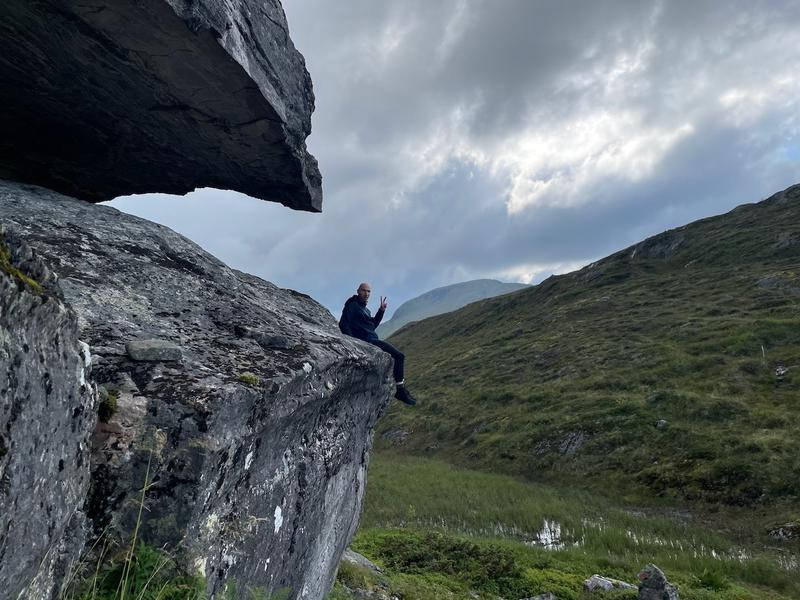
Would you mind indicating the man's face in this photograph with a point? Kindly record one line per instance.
(363, 292)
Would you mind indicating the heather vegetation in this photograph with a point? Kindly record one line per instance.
(645, 407)
(670, 370)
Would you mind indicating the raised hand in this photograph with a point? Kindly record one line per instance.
(384, 302)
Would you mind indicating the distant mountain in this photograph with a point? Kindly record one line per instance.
(445, 299)
(669, 369)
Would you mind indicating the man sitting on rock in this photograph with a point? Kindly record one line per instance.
(359, 323)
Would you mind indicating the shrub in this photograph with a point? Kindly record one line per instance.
(250, 379)
(108, 407)
(713, 580)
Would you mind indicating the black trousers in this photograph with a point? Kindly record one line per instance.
(399, 358)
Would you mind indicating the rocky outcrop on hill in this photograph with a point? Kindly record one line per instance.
(253, 438)
(111, 97)
(45, 417)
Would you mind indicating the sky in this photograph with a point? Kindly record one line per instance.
(512, 139)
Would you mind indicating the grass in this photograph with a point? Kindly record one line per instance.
(438, 531)
(566, 381)
(142, 573)
(137, 572)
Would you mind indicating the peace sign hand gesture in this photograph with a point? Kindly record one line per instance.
(384, 302)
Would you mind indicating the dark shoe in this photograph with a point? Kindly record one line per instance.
(403, 395)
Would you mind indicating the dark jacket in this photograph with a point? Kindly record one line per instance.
(358, 322)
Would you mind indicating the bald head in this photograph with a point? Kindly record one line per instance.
(363, 291)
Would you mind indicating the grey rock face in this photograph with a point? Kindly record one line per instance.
(653, 585)
(258, 483)
(664, 245)
(46, 414)
(112, 97)
(784, 280)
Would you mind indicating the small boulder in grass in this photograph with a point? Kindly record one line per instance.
(354, 558)
(787, 531)
(653, 585)
(606, 583)
(153, 350)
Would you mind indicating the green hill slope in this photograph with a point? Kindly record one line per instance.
(445, 299)
(671, 368)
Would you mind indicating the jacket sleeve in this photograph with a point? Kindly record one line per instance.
(376, 320)
(344, 322)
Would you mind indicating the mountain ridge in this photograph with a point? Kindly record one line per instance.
(445, 299)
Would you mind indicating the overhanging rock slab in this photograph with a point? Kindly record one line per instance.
(108, 98)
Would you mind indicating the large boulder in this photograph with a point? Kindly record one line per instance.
(254, 443)
(46, 415)
(103, 98)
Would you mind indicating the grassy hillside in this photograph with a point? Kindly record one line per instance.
(669, 369)
(445, 299)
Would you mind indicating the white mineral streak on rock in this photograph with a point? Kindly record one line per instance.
(87, 354)
(210, 524)
(278, 519)
(248, 460)
(200, 566)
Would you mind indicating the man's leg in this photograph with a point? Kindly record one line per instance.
(399, 359)
(401, 393)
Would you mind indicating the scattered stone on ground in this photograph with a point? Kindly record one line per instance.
(375, 585)
(395, 436)
(653, 585)
(787, 531)
(606, 583)
(354, 558)
(783, 280)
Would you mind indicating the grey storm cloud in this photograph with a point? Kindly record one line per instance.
(466, 138)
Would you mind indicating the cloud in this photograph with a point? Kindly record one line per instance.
(467, 138)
